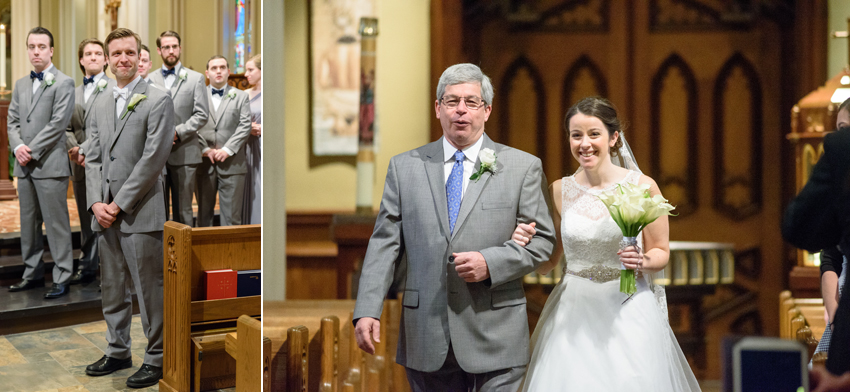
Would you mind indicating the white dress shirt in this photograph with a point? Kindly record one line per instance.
(37, 83)
(171, 79)
(89, 88)
(121, 102)
(216, 101)
(470, 156)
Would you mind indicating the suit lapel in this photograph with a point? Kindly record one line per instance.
(92, 98)
(37, 95)
(27, 96)
(140, 88)
(110, 120)
(434, 167)
(213, 112)
(473, 190)
(222, 106)
(177, 81)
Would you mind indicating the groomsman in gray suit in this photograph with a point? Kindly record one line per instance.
(223, 148)
(145, 63)
(450, 208)
(39, 114)
(130, 133)
(92, 57)
(190, 114)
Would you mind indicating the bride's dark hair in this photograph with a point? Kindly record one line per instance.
(602, 109)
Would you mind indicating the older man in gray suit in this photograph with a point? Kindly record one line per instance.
(450, 207)
(223, 147)
(130, 139)
(191, 106)
(92, 56)
(39, 114)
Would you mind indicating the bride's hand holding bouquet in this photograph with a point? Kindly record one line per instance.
(632, 208)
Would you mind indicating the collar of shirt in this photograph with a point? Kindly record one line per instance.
(97, 78)
(120, 103)
(177, 69)
(470, 153)
(37, 83)
(216, 99)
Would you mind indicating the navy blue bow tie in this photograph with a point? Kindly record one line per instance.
(217, 91)
(86, 81)
(39, 75)
(166, 72)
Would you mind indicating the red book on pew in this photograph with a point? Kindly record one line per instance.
(220, 284)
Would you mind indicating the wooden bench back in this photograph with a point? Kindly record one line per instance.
(333, 360)
(187, 253)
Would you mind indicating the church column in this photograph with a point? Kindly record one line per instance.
(133, 14)
(25, 14)
(274, 186)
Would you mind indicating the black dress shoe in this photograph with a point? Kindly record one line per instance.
(107, 365)
(26, 284)
(58, 290)
(147, 375)
(82, 276)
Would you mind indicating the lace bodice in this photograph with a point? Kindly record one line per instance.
(590, 237)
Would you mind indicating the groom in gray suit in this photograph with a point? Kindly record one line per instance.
(39, 113)
(450, 207)
(188, 90)
(223, 148)
(131, 132)
(92, 57)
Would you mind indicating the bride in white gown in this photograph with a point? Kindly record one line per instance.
(589, 336)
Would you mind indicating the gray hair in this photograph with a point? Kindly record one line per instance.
(465, 73)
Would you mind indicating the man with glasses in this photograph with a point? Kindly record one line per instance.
(464, 320)
(191, 106)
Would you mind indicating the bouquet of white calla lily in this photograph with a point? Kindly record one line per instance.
(632, 208)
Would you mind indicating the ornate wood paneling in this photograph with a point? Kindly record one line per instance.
(673, 133)
(737, 139)
(523, 110)
(577, 15)
(667, 15)
(583, 79)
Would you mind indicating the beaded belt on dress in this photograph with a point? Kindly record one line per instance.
(597, 273)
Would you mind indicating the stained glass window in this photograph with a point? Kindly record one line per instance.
(242, 35)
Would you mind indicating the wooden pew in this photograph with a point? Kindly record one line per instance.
(801, 319)
(330, 359)
(246, 347)
(195, 330)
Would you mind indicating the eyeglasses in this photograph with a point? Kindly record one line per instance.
(473, 103)
(169, 47)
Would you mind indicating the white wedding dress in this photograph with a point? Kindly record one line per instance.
(586, 338)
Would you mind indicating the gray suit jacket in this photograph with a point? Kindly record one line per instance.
(485, 322)
(125, 159)
(190, 114)
(39, 121)
(76, 133)
(229, 126)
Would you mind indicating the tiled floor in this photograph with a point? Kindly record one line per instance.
(55, 360)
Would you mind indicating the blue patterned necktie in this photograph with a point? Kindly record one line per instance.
(454, 189)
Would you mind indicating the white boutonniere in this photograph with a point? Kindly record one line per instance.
(183, 75)
(231, 94)
(134, 101)
(49, 79)
(488, 163)
(101, 84)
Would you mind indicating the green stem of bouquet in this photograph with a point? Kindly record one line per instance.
(628, 285)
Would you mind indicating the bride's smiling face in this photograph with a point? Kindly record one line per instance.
(589, 140)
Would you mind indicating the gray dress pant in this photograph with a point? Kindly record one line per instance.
(132, 259)
(44, 201)
(89, 261)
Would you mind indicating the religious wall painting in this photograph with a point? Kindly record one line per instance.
(335, 74)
